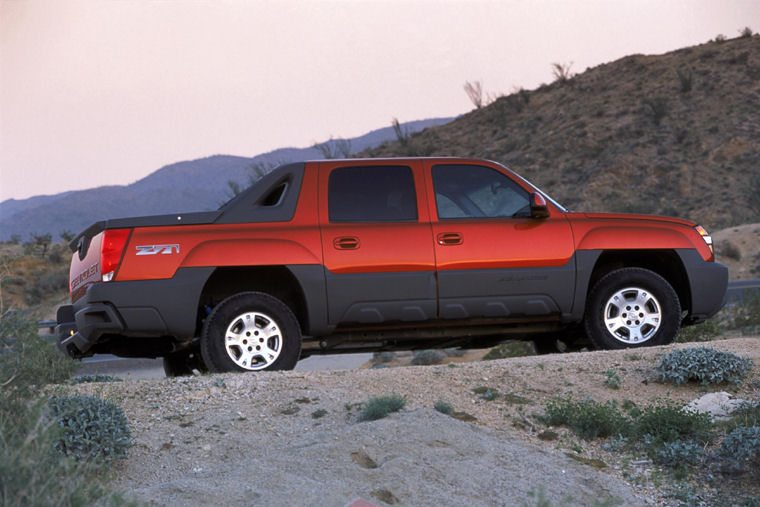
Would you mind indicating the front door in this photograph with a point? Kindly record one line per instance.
(493, 259)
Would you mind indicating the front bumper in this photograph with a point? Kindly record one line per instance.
(708, 284)
(114, 311)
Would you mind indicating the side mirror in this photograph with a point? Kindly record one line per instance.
(538, 207)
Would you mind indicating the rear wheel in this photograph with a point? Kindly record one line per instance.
(251, 331)
(632, 307)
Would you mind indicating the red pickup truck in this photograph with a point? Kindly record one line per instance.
(379, 254)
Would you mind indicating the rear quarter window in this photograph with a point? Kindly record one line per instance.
(371, 194)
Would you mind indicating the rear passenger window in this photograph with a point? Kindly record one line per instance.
(372, 194)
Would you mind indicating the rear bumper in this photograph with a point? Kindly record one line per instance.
(134, 309)
(708, 284)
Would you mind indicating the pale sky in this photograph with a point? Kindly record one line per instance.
(106, 92)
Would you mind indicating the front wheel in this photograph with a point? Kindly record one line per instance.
(251, 331)
(632, 307)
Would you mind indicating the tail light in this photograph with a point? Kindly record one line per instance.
(111, 251)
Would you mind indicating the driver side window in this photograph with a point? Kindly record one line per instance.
(469, 191)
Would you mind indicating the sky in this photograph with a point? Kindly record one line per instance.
(106, 92)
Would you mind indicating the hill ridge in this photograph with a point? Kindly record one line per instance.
(671, 134)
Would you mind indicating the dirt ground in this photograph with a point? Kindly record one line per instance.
(293, 437)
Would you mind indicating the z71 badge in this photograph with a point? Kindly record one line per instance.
(157, 249)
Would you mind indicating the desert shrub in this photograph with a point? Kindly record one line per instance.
(27, 361)
(92, 428)
(377, 408)
(613, 379)
(427, 357)
(667, 422)
(746, 414)
(704, 364)
(703, 332)
(743, 446)
(729, 250)
(454, 352)
(385, 357)
(747, 315)
(319, 413)
(443, 407)
(50, 283)
(32, 472)
(511, 349)
(83, 379)
(486, 393)
(561, 72)
(745, 32)
(656, 108)
(587, 418)
(685, 79)
(679, 453)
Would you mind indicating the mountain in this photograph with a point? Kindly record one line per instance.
(193, 185)
(673, 134)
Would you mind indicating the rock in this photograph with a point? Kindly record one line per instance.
(719, 405)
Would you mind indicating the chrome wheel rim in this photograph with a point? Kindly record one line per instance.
(632, 315)
(253, 340)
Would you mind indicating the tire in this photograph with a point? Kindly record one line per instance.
(182, 364)
(632, 307)
(251, 331)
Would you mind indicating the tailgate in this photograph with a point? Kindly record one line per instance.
(85, 265)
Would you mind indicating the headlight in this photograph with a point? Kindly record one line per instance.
(706, 236)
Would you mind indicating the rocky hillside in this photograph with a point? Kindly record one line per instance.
(674, 134)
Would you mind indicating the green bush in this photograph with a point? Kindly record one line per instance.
(92, 428)
(666, 422)
(704, 364)
(587, 418)
(27, 362)
(678, 454)
(427, 357)
(31, 471)
(377, 408)
(443, 407)
(613, 380)
(743, 446)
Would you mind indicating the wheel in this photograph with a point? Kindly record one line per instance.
(251, 331)
(632, 307)
(184, 363)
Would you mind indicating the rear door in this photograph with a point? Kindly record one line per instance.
(376, 242)
(493, 259)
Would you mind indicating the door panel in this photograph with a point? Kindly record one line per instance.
(493, 260)
(377, 243)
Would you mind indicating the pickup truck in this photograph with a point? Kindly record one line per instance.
(354, 255)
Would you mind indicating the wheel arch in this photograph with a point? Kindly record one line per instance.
(666, 263)
(277, 281)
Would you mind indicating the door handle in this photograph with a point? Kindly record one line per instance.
(346, 243)
(450, 238)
